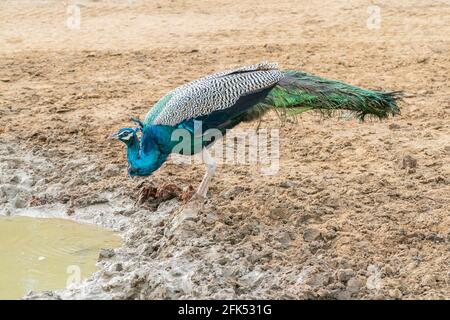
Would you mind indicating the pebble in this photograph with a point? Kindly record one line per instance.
(277, 213)
(106, 253)
(394, 126)
(428, 280)
(288, 184)
(284, 238)
(345, 275)
(231, 193)
(19, 202)
(311, 234)
(118, 267)
(395, 294)
(388, 270)
(355, 284)
(409, 162)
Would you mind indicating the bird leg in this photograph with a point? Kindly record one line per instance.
(210, 169)
(197, 202)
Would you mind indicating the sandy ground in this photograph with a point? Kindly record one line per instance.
(357, 210)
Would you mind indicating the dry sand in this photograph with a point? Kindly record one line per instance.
(357, 210)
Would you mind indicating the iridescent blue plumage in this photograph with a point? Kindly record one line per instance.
(223, 100)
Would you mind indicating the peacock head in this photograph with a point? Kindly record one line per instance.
(126, 135)
(143, 153)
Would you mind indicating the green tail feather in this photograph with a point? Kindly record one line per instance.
(299, 92)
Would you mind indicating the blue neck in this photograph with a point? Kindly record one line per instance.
(133, 149)
(143, 163)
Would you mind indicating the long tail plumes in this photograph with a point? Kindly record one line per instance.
(299, 92)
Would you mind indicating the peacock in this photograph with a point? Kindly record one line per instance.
(223, 100)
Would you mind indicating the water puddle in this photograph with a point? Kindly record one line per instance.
(47, 254)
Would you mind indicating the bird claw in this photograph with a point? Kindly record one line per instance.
(196, 197)
(195, 204)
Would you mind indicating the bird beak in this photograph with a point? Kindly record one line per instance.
(114, 136)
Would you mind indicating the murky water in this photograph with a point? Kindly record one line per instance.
(46, 254)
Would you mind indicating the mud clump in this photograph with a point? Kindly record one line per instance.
(153, 196)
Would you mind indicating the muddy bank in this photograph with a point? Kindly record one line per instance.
(231, 249)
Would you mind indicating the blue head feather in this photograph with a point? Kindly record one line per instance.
(126, 135)
(145, 156)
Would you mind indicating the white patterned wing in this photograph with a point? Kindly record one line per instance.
(216, 92)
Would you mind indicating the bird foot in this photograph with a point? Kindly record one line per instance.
(193, 206)
(196, 197)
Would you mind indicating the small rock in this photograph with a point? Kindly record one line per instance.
(72, 129)
(15, 179)
(428, 280)
(394, 126)
(148, 249)
(287, 184)
(19, 202)
(278, 213)
(344, 275)
(388, 270)
(284, 238)
(311, 234)
(343, 295)
(223, 260)
(106, 253)
(422, 59)
(395, 294)
(409, 162)
(435, 237)
(231, 193)
(378, 296)
(355, 284)
(118, 267)
(70, 211)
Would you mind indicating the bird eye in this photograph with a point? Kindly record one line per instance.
(124, 134)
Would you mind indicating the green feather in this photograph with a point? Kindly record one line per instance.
(300, 92)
